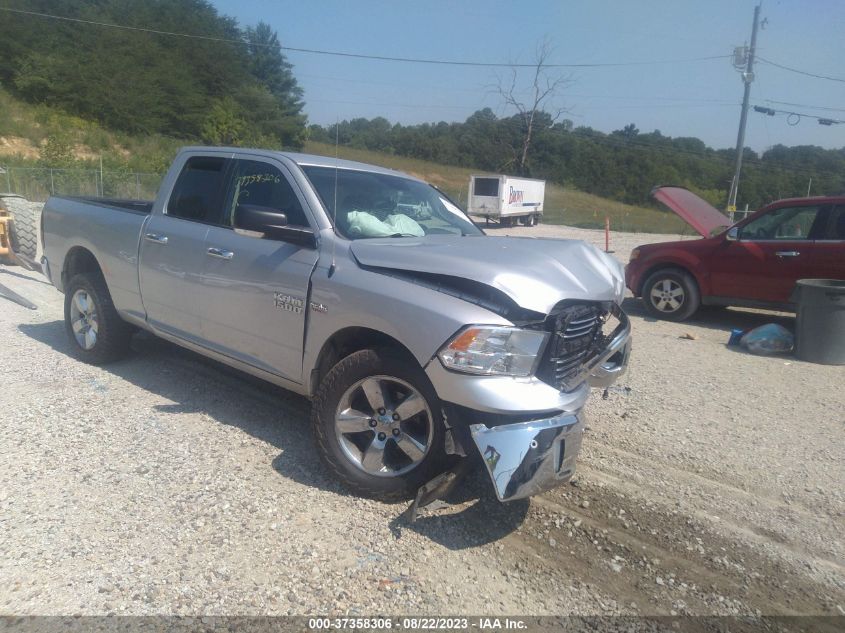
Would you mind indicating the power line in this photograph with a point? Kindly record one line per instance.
(314, 51)
(799, 72)
(481, 89)
(804, 105)
(794, 118)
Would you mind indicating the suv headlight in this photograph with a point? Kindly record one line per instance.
(494, 350)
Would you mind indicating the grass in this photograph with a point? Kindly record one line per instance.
(562, 205)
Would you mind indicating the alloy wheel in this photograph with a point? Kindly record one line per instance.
(667, 295)
(83, 319)
(384, 426)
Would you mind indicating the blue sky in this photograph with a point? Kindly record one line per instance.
(679, 99)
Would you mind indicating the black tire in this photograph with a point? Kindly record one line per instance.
(113, 334)
(671, 294)
(531, 220)
(24, 226)
(335, 384)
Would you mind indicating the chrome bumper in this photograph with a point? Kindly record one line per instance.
(612, 362)
(528, 458)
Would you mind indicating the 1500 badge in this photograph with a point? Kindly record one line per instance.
(287, 302)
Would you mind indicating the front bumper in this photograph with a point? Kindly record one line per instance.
(527, 431)
(632, 277)
(528, 458)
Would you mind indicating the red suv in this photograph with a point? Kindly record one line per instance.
(754, 263)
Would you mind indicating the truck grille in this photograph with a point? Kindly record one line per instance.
(576, 338)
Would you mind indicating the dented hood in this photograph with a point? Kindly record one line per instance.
(535, 273)
(698, 213)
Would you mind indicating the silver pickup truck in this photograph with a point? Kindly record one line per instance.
(418, 339)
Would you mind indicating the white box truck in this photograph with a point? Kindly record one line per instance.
(506, 199)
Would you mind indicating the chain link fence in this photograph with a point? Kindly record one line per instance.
(39, 183)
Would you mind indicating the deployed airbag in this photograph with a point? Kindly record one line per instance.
(363, 224)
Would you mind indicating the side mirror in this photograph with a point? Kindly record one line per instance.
(274, 225)
(252, 217)
(732, 234)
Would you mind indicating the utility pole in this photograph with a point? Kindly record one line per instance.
(747, 78)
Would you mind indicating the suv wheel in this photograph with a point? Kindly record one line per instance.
(671, 294)
(378, 424)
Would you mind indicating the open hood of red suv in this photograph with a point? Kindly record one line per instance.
(698, 213)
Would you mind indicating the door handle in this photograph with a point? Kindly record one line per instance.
(220, 253)
(787, 254)
(155, 237)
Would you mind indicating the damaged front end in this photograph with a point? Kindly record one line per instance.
(527, 430)
(528, 458)
(590, 344)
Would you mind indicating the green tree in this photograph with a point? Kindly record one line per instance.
(224, 125)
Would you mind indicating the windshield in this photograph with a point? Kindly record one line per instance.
(381, 205)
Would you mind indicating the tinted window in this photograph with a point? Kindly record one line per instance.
(836, 226)
(196, 195)
(261, 184)
(788, 223)
(486, 187)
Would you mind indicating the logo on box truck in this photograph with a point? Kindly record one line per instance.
(515, 196)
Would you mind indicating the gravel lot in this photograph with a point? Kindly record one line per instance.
(711, 482)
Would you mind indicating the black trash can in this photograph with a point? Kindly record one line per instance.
(820, 330)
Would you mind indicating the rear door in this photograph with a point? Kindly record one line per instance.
(828, 260)
(254, 294)
(771, 253)
(486, 195)
(171, 250)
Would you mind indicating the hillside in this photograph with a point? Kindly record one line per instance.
(35, 136)
(562, 206)
(623, 165)
(231, 85)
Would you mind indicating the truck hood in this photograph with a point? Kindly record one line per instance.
(535, 273)
(698, 213)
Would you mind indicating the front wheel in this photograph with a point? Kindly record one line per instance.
(671, 294)
(378, 424)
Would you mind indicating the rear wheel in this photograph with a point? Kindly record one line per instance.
(671, 294)
(378, 424)
(96, 331)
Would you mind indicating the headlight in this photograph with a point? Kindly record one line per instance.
(634, 254)
(492, 350)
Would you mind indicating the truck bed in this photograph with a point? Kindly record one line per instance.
(122, 204)
(110, 229)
